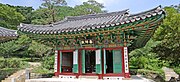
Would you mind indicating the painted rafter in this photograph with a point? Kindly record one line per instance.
(125, 33)
(96, 32)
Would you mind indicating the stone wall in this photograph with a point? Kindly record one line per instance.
(19, 76)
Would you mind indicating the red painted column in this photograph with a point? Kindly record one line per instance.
(126, 63)
(57, 63)
(79, 63)
(123, 65)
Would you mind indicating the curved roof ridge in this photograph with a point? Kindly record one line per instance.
(59, 22)
(74, 18)
(50, 25)
(23, 24)
(147, 11)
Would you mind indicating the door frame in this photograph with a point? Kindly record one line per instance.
(113, 74)
(80, 61)
(60, 61)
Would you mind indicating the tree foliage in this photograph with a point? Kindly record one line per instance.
(48, 62)
(95, 3)
(24, 47)
(169, 35)
(37, 49)
(143, 58)
(64, 11)
(163, 49)
(50, 5)
(7, 49)
(51, 12)
(12, 63)
(89, 7)
(16, 47)
(25, 11)
(41, 16)
(9, 17)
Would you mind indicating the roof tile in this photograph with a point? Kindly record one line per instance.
(7, 32)
(87, 22)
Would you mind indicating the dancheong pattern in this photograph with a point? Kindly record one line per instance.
(98, 30)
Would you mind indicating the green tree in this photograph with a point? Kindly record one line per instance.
(41, 16)
(38, 50)
(16, 47)
(89, 7)
(51, 11)
(169, 35)
(7, 49)
(50, 4)
(64, 11)
(25, 11)
(95, 3)
(9, 17)
(144, 58)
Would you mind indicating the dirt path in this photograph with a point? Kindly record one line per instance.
(34, 64)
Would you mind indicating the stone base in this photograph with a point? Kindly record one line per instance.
(88, 77)
(67, 77)
(126, 78)
(112, 78)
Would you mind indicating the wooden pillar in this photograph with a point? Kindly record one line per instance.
(126, 63)
(60, 62)
(79, 62)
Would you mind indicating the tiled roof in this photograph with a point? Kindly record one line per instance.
(90, 22)
(7, 32)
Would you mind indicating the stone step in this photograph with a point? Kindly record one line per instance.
(88, 77)
(113, 78)
(67, 77)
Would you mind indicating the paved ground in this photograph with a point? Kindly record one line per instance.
(133, 79)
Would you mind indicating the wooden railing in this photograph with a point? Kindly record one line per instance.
(19, 76)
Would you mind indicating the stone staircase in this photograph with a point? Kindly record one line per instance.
(96, 77)
(88, 77)
(169, 73)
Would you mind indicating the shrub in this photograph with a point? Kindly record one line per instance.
(42, 70)
(6, 72)
(177, 70)
(48, 62)
(145, 72)
(12, 63)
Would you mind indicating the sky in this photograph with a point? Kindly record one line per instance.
(134, 6)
